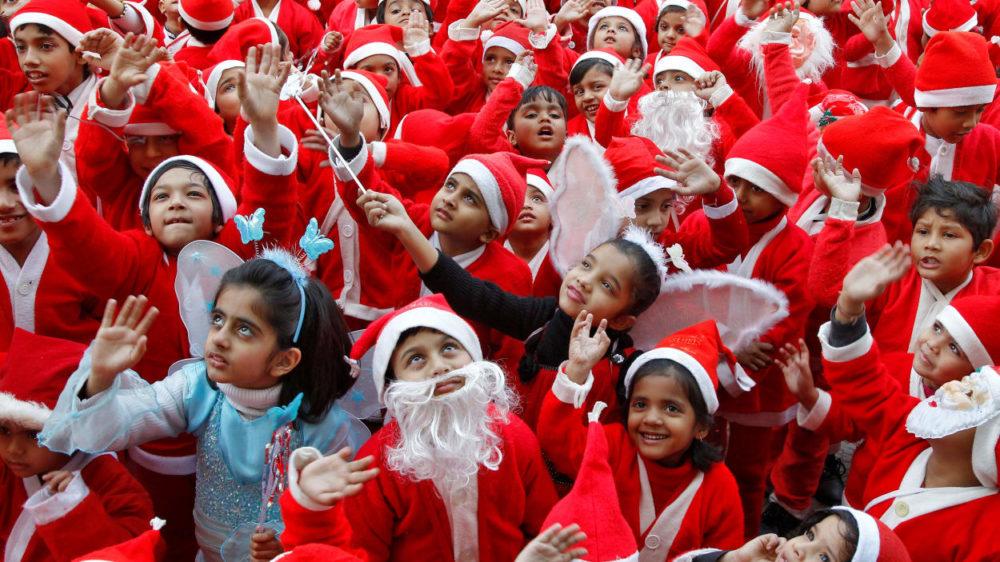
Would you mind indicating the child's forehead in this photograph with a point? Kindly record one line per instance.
(942, 215)
(538, 104)
(615, 20)
(376, 60)
(423, 336)
(33, 31)
(181, 177)
(465, 181)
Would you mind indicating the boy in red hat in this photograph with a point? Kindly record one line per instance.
(57, 507)
(460, 476)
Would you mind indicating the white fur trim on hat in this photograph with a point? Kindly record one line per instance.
(71, 34)
(698, 371)
(488, 187)
(984, 452)
(955, 97)
(149, 129)
(646, 186)
(203, 25)
(223, 191)
(27, 414)
(537, 182)
(967, 26)
(214, 77)
(421, 317)
(966, 337)
(600, 55)
(633, 18)
(504, 43)
(384, 115)
(7, 146)
(762, 178)
(375, 48)
(869, 541)
(957, 406)
(683, 64)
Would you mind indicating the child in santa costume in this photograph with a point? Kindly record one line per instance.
(670, 21)
(159, 118)
(673, 494)
(528, 239)
(765, 168)
(936, 470)
(56, 506)
(460, 477)
(839, 533)
(301, 26)
(222, 91)
(205, 21)
(605, 90)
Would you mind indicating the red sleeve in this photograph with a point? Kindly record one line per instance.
(539, 492)
(486, 134)
(722, 520)
(779, 73)
(103, 177)
(837, 248)
(456, 10)
(733, 61)
(737, 114)
(374, 511)
(788, 270)
(902, 75)
(425, 167)
(561, 434)
(459, 58)
(303, 526)
(609, 124)
(727, 236)
(436, 91)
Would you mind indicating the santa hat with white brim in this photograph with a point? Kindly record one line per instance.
(956, 71)
(206, 15)
(689, 57)
(379, 39)
(218, 181)
(374, 86)
(215, 76)
(501, 179)
(876, 541)
(538, 179)
(68, 19)
(631, 16)
(34, 375)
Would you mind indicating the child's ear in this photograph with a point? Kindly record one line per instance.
(511, 137)
(637, 51)
(490, 235)
(285, 361)
(700, 431)
(219, 227)
(621, 322)
(983, 253)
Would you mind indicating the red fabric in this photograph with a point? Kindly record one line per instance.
(304, 526)
(838, 247)
(196, 56)
(300, 25)
(797, 470)
(435, 93)
(714, 514)
(115, 510)
(750, 454)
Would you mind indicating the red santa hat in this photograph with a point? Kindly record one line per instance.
(146, 122)
(147, 547)
(949, 15)
(431, 127)
(689, 57)
(956, 71)
(772, 155)
(606, 54)
(593, 502)
(317, 552)
(538, 179)
(67, 18)
(882, 144)
(215, 73)
(630, 15)
(633, 160)
(379, 39)
(698, 348)
(432, 312)
(236, 42)
(876, 541)
(509, 35)
(974, 323)
(374, 85)
(500, 178)
(34, 375)
(6, 139)
(206, 15)
(218, 181)
(826, 107)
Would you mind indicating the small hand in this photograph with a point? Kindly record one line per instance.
(344, 106)
(417, 30)
(526, 60)
(798, 376)
(760, 549)
(693, 175)
(120, 342)
(332, 41)
(104, 43)
(555, 544)
(571, 11)
(484, 11)
(537, 17)
(39, 133)
(585, 350)
(330, 479)
(754, 8)
(57, 480)
(384, 212)
(628, 79)
(869, 17)
(264, 546)
(756, 356)
(260, 87)
(870, 276)
(709, 83)
(136, 54)
(311, 139)
(783, 17)
(831, 178)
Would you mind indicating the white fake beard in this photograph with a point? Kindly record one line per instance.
(818, 62)
(447, 438)
(674, 120)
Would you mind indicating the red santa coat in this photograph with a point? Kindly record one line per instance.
(110, 178)
(301, 26)
(714, 515)
(195, 54)
(434, 92)
(105, 506)
(934, 524)
(395, 518)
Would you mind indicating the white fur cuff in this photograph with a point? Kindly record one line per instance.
(568, 391)
(418, 49)
(458, 33)
(777, 37)
(843, 210)
(378, 151)
(60, 206)
(723, 211)
(522, 74)
(280, 166)
(115, 118)
(46, 507)
(141, 92)
(613, 104)
(356, 164)
(812, 419)
(720, 96)
(847, 353)
(890, 58)
(301, 458)
(542, 40)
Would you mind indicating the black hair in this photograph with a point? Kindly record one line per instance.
(8, 157)
(322, 375)
(645, 279)
(204, 36)
(583, 67)
(668, 9)
(196, 174)
(534, 93)
(967, 203)
(380, 12)
(848, 528)
(701, 453)
(390, 373)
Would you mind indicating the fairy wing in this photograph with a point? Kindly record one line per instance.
(200, 267)
(744, 309)
(361, 401)
(585, 209)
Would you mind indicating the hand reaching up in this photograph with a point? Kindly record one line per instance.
(345, 106)
(525, 60)
(585, 350)
(484, 12)
(830, 177)
(869, 17)
(136, 54)
(571, 11)
(870, 277)
(120, 342)
(709, 83)
(39, 131)
(555, 544)
(330, 479)
(417, 30)
(627, 79)
(536, 18)
(693, 175)
(260, 87)
(783, 17)
(102, 42)
(794, 365)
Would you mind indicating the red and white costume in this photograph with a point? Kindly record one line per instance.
(301, 26)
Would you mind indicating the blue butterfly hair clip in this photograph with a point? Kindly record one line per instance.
(313, 243)
(252, 227)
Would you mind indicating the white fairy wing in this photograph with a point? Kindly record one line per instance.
(200, 267)
(585, 210)
(744, 309)
(361, 401)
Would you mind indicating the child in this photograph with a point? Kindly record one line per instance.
(295, 20)
(459, 475)
(840, 533)
(222, 91)
(273, 358)
(206, 21)
(619, 28)
(56, 506)
(671, 491)
(473, 85)
(671, 21)
(528, 239)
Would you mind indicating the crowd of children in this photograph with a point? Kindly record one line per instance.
(433, 280)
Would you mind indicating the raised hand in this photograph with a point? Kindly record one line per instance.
(830, 177)
(870, 276)
(794, 363)
(332, 41)
(754, 8)
(39, 131)
(260, 87)
(628, 79)
(333, 478)
(417, 30)
(585, 350)
(709, 83)
(756, 356)
(102, 42)
(120, 342)
(345, 106)
(870, 19)
(537, 17)
(384, 212)
(525, 60)
(484, 12)
(783, 17)
(693, 175)
(555, 544)
(571, 11)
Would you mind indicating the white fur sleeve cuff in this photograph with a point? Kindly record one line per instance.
(742, 19)
(890, 58)
(378, 153)
(812, 419)
(301, 458)
(847, 353)
(356, 164)
(542, 40)
(46, 507)
(721, 212)
(141, 92)
(280, 166)
(720, 96)
(613, 104)
(419, 48)
(114, 118)
(458, 33)
(63, 202)
(568, 391)
(843, 210)
(778, 37)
